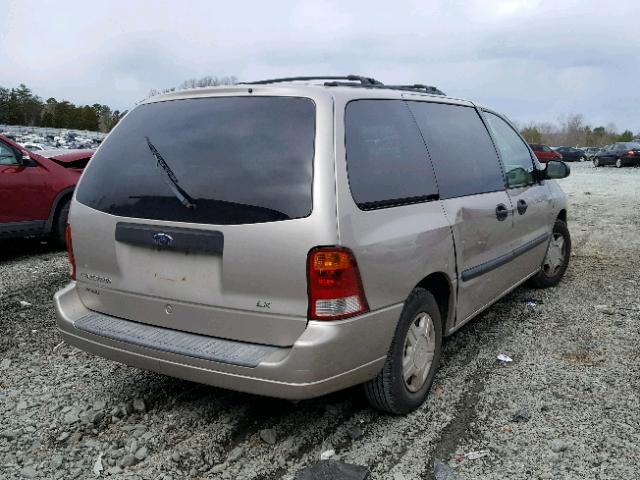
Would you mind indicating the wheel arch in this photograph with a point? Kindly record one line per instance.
(63, 196)
(441, 287)
(562, 215)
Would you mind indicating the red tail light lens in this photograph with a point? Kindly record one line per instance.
(631, 153)
(334, 285)
(72, 260)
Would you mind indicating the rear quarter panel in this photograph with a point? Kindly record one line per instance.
(395, 247)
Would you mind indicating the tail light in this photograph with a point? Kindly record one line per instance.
(631, 153)
(334, 284)
(72, 259)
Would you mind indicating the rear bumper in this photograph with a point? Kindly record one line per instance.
(328, 356)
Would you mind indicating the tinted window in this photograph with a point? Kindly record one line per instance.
(241, 160)
(515, 155)
(386, 157)
(460, 148)
(7, 155)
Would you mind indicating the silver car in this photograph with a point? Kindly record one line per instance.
(293, 237)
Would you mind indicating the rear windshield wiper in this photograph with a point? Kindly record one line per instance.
(171, 178)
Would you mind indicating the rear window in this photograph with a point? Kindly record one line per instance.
(231, 160)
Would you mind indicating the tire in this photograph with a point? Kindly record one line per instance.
(618, 163)
(582, 159)
(60, 224)
(389, 391)
(553, 267)
(596, 162)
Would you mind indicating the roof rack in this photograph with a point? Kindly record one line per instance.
(368, 81)
(352, 81)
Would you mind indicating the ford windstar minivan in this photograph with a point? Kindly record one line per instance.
(293, 237)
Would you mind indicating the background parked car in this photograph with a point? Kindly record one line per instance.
(570, 154)
(34, 147)
(544, 152)
(590, 151)
(619, 154)
(35, 189)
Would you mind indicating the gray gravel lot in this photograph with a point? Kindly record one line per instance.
(568, 406)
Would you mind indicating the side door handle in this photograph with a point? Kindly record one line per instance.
(502, 212)
(522, 207)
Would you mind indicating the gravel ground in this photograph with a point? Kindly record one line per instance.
(566, 407)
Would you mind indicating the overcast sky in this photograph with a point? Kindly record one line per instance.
(532, 60)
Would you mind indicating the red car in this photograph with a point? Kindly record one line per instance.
(544, 153)
(35, 189)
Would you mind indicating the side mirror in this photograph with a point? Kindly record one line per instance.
(556, 169)
(27, 161)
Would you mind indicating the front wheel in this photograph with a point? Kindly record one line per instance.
(582, 159)
(556, 259)
(596, 162)
(413, 358)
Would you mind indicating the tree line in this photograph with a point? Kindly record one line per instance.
(573, 131)
(20, 106)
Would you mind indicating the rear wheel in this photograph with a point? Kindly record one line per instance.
(582, 159)
(596, 162)
(60, 224)
(556, 260)
(413, 358)
(618, 162)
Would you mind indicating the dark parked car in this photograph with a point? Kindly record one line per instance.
(619, 154)
(570, 154)
(36, 188)
(544, 153)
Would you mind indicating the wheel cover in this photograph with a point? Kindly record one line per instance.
(418, 352)
(556, 254)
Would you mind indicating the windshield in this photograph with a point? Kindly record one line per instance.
(241, 160)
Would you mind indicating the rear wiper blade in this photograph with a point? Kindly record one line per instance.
(171, 178)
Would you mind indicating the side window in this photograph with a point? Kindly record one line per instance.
(387, 161)
(460, 148)
(7, 155)
(516, 158)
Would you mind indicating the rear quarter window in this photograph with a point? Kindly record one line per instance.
(241, 159)
(387, 160)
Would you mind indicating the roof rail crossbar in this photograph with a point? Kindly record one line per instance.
(417, 87)
(349, 78)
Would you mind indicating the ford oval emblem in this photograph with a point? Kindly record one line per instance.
(162, 239)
